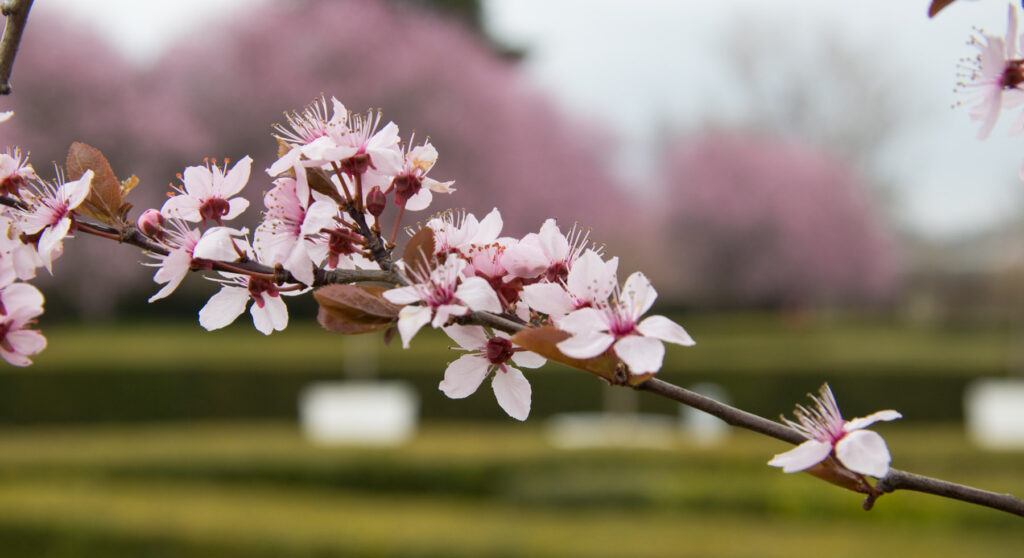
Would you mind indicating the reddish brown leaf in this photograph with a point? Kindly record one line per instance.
(937, 6)
(830, 471)
(543, 340)
(104, 201)
(320, 182)
(419, 252)
(333, 323)
(357, 304)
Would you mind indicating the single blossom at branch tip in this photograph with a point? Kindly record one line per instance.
(861, 451)
(490, 354)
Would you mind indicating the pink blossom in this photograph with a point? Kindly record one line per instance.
(6, 115)
(359, 147)
(861, 451)
(548, 253)
(15, 171)
(589, 282)
(269, 313)
(180, 241)
(20, 303)
(458, 232)
(616, 324)
(51, 213)
(490, 354)
(995, 77)
(439, 296)
(17, 259)
(411, 185)
(205, 194)
(291, 231)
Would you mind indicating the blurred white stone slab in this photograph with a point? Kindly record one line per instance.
(611, 430)
(702, 428)
(357, 412)
(994, 412)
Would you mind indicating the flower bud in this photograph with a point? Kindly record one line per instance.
(376, 201)
(151, 223)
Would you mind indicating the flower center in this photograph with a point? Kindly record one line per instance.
(213, 209)
(1013, 74)
(258, 287)
(499, 350)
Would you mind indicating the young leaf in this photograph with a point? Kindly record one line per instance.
(419, 252)
(104, 201)
(544, 340)
(357, 304)
(333, 323)
(320, 182)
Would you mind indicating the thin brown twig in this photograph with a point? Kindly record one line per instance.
(17, 17)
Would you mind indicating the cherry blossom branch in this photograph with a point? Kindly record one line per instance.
(16, 12)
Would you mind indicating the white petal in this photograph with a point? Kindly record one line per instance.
(223, 307)
(513, 392)
(549, 298)
(444, 312)
(402, 295)
(25, 341)
(804, 456)
(666, 330)
(477, 293)
(468, 337)
(586, 344)
(490, 228)
(198, 182)
(638, 295)
(419, 201)
(582, 321)
(642, 355)
(236, 178)
(553, 241)
(236, 206)
(464, 376)
(864, 422)
(525, 259)
(218, 244)
(589, 279)
(528, 359)
(78, 190)
(864, 452)
(272, 317)
(410, 320)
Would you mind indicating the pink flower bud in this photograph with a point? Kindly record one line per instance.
(151, 223)
(376, 201)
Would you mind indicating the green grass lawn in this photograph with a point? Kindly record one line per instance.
(471, 490)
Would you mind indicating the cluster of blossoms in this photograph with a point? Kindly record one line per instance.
(34, 221)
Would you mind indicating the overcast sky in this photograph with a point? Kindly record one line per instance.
(647, 67)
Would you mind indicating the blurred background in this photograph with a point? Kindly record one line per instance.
(790, 174)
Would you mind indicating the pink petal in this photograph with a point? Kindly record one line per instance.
(864, 452)
(198, 182)
(513, 392)
(477, 293)
(25, 341)
(642, 355)
(490, 228)
(464, 376)
(549, 298)
(236, 178)
(553, 241)
(76, 191)
(665, 329)
(223, 307)
(582, 321)
(804, 456)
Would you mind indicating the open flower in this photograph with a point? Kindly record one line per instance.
(441, 295)
(51, 214)
(861, 451)
(490, 354)
(206, 193)
(617, 324)
(20, 303)
(588, 283)
(994, 78)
